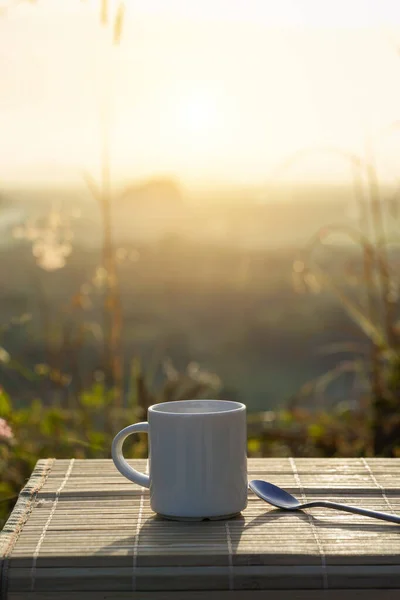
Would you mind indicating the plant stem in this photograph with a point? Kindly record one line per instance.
(381, 244)
(368, 268)
(112, 301)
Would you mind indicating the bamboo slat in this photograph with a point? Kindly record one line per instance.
(80, 529)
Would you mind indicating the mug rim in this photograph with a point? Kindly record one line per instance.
(234, 407)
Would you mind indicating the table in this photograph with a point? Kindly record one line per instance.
(80, 530)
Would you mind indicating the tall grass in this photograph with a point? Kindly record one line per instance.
(375, 308)
(103, 194)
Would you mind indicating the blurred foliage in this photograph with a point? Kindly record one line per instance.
(180, 294)
(86, 431)
(368, 291)
(342, 432)
(78, 413)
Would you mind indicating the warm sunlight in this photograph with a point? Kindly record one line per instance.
(222, 91)
(197, 113)
(199, 246)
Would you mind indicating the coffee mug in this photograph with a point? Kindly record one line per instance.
(197, 458)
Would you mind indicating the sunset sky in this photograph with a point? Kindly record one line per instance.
(210, 91)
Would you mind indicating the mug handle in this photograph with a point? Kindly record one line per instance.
(119, 460)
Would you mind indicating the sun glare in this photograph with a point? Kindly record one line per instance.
(214, 94)
(195, 123)
(198, 113)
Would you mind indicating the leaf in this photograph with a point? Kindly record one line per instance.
(339, 348)
(5, 404)
(94, 397)
(6, 491)
(315, 431)
(118, 23)
(322, 383)
(91, 444)
(372, 331)
(4, 356)
(97, 438)
(254, 446)
(22, 370)
(51, 422)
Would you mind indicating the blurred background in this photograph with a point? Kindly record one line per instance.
(198, 200)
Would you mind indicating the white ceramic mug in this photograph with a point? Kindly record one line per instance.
(197, 458)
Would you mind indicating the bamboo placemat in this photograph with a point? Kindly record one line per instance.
(80, 529)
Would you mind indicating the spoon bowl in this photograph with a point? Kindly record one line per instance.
(276, 495)
(282, 499)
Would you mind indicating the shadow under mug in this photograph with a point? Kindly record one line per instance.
(197, 458)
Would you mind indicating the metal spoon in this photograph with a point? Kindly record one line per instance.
(277, 497)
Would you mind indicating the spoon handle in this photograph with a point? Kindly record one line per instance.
(354, 509)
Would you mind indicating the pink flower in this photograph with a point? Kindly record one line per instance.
(5, 430)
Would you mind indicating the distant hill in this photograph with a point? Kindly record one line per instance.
(158, 207)
(156, 193)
